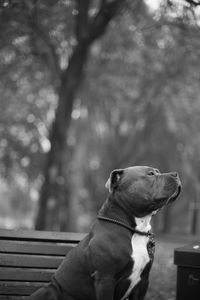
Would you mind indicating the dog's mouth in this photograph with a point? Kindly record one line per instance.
(175, 195)
(163, 202)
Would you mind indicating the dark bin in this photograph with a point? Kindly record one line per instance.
(187, 259)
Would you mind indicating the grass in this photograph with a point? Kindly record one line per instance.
(163, 273)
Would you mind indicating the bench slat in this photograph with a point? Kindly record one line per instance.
(32, 235)
(30, 261)
(35, 248)
(17, 274)
(19, 288)
(11, 297)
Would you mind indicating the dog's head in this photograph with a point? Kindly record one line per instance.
(143, 189)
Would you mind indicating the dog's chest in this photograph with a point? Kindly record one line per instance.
(139, 255)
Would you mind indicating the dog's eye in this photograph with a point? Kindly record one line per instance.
(151, 173)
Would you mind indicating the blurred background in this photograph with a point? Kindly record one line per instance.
(90, 86)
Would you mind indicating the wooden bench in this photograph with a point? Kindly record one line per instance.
(29, 258)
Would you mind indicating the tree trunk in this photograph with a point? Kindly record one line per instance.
(54, 191)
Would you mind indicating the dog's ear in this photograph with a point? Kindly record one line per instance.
(114, 179)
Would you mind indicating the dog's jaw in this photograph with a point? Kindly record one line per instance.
(175, 194)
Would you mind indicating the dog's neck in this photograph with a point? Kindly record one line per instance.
(116, 212)
(113, 210)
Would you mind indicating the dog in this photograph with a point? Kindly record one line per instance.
(113, 261)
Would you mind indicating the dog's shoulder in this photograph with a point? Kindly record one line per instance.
(106, 250)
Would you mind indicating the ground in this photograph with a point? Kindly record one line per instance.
(163, 274)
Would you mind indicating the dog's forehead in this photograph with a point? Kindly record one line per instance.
(138, 170)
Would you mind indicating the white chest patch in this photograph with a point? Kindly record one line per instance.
(139, 254)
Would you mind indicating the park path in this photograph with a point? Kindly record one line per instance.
(163, 274)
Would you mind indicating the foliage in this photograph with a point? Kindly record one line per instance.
(148, 104)
(139, 102)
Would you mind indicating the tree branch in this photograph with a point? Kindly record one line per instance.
(82, 19)
(193, 2)
(107, 11)
(47, 52)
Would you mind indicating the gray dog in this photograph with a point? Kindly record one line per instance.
(114, 260)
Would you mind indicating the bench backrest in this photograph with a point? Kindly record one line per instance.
(28, 259)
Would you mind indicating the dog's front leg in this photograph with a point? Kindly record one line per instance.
(139, 291)
(104, 286)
